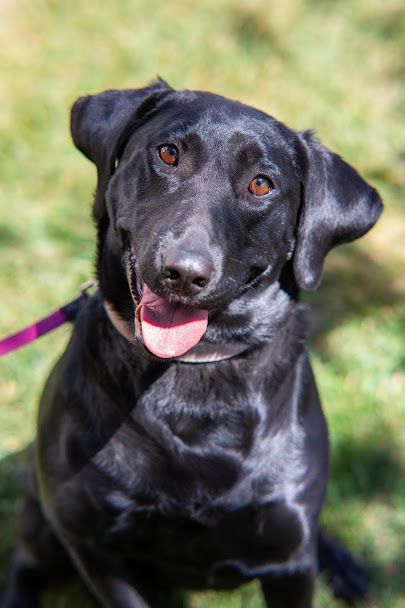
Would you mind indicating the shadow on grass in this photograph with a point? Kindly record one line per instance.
(367, 469)
(12, 482)
(367, 478)
(353, 286)
(364, 471)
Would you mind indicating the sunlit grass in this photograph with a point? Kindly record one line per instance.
(336, 67)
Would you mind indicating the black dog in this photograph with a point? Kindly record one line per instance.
(195, 454)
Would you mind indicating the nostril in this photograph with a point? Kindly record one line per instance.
(200, 281)
(170, 273)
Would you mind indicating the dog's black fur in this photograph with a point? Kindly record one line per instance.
(155, 474)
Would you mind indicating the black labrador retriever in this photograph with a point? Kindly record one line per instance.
(181, 443)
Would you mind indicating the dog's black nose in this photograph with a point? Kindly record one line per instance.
(186, 272)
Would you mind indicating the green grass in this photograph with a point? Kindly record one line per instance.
(334, 66)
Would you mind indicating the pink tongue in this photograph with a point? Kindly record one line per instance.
(169, 330)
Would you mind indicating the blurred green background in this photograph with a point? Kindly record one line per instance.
(333, 66)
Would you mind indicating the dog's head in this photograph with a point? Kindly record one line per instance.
(202, 202)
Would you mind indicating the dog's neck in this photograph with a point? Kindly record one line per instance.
(200, 353)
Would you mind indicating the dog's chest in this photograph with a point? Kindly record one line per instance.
(186, 432)
(208, 544)
(189, 500)
(188, 490)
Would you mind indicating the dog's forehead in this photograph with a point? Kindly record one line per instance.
(222, 122)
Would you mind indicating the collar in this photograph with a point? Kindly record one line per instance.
(200, 353)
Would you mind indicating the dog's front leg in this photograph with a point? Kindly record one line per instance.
(289, 591)
(104, 581)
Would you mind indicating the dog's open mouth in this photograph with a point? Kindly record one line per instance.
(168, 329)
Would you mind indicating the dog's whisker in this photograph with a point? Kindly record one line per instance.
(239, 261)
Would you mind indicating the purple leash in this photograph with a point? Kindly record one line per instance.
(68, 312)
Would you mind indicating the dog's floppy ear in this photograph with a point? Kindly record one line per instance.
(98, 123)
(338, 206)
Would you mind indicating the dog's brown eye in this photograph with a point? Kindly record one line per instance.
(260, 185)
(169, 154)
